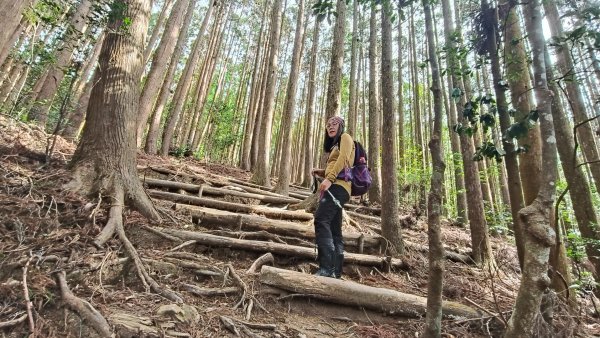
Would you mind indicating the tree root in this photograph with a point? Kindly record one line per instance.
(82, 307)
(149, 282)
(115, 213)
(13, 322)
(260, 261)
(240, 283)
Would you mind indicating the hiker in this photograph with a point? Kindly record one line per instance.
(334, 193)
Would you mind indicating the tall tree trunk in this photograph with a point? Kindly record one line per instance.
(283, 182)
(564, 61)
(374, 121)
(334, 87)
(390, 221)
(56, 72)
(401, 145)
(251, 110)
(459, 180)
(160, 62)
(151, 146)
(539, 235)
(157, 28)
(579, 189)
(434, 207)
(11, 13)
(353, 62)
(519, 82)
(261, 173)
(310, 105)
(480, 243)
(510, 158)
(183, 86)
(22, 27)
(105, 159)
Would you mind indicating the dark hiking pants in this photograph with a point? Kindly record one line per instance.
(328, 220)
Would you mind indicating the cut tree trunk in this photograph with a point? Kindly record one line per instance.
(151, 182)
(236, 207)
(351, 293)
(278, 248)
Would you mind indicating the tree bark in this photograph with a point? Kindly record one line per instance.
(351, 293)
(283, 182)
(11, 13)
(352, 101)
(390, 225)
(56, 72)
(310, 106)
(156, 30)
(261, 174)
(334, 87)
(151, 146)
(105, 159)
(183, 86)
(434, 208)
(539, 235)
(162, 58)
(374, 121)
(564, 61)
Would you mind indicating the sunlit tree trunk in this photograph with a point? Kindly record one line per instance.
(184, 84)
(151, 146)
(157, 29)
(160, 63)
(334, 87)
(11, 13)
(353, 62)
(261, 173)
(283, 181)
(56, 72)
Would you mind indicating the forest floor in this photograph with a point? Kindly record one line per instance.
(46, 229)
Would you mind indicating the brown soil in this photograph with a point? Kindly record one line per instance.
(48, 229)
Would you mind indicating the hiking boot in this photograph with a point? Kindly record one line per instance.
(338, 263)
(326, 267)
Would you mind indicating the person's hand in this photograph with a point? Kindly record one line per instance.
(318, 172)
(325, 185)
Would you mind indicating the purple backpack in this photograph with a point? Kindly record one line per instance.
(359, 174)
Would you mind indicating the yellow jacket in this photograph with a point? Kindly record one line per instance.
(339, 159)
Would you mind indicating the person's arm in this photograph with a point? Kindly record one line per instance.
(346, 145)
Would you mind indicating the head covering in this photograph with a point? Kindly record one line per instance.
(330, 142)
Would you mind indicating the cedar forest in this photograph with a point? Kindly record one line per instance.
(156, 156)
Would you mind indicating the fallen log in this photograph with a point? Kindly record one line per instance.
(194, 188)
(206, 216)
(355, 294)
(283, 249)
(166, 171)
(236, 207)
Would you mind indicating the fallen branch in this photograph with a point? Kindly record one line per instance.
(199, 291)
(82, 307)
(28, 303)
(13, 322)
(351, 293)
(236, 207)
(260, 261)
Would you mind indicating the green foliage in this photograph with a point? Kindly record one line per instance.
(488, 149)
(521, 128)
(118, 15)
(498, 220)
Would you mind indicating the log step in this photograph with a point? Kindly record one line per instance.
(355, 294)
(384, 263)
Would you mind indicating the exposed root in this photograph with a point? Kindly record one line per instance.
(240, 283)
(260, 261)
(148, 281)
(13, 322)
(82, 307)
(116, 213)
(28, 303)
(199, 291)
